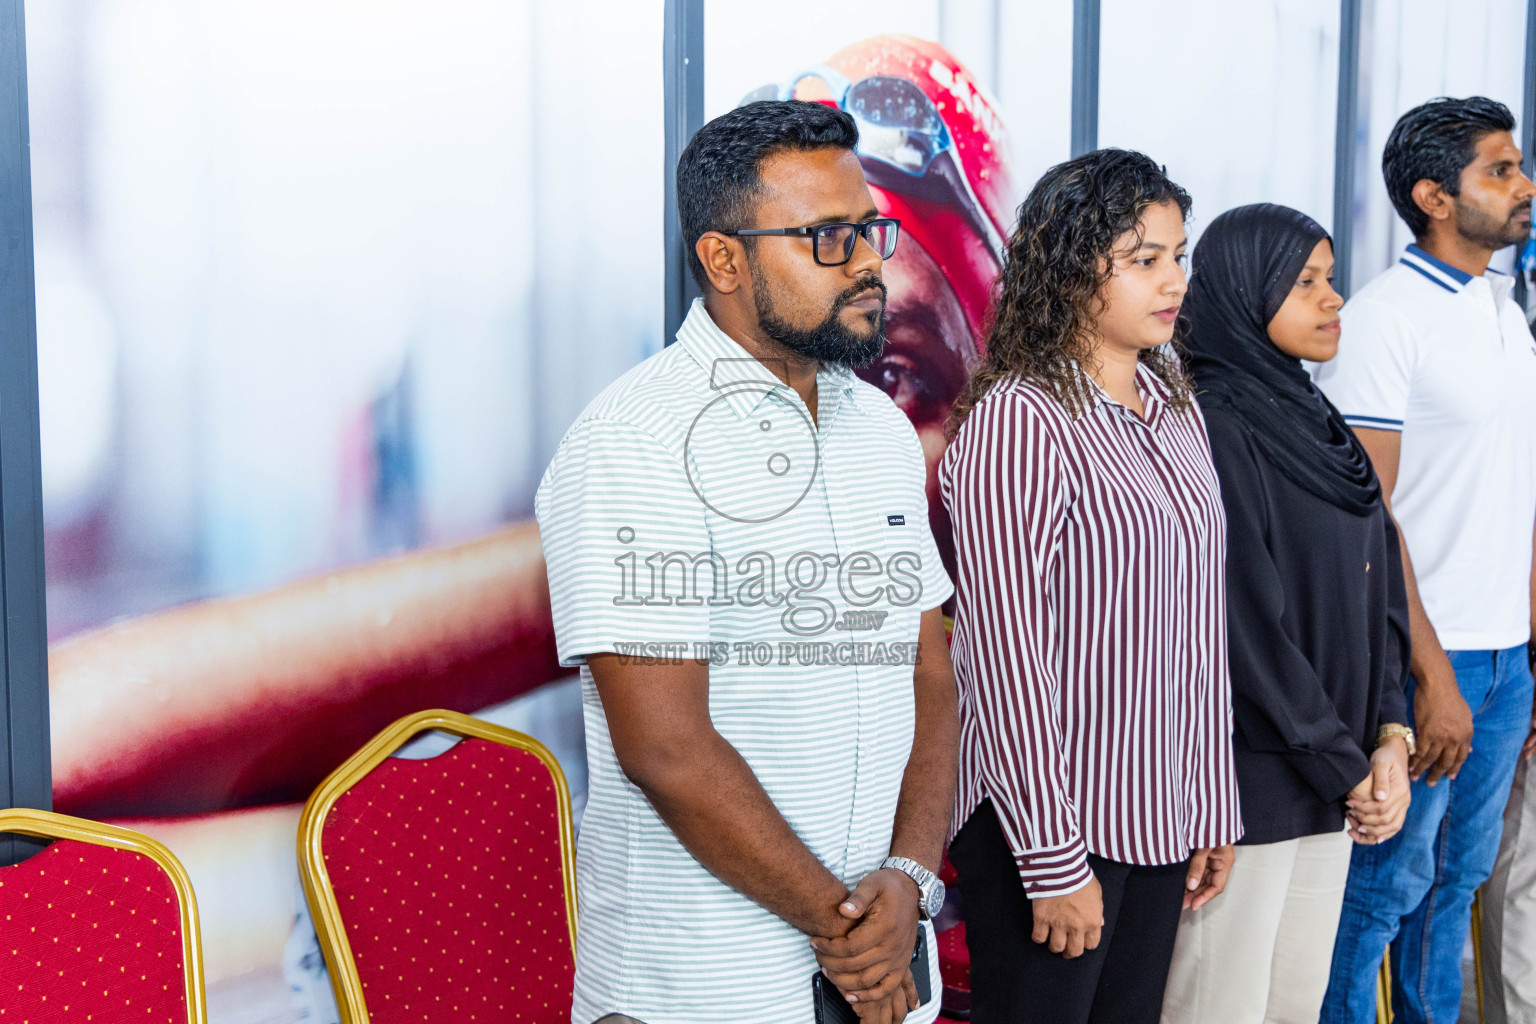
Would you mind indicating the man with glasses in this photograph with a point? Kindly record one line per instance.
(740, 562)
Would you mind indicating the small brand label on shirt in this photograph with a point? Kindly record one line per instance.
(896, 520)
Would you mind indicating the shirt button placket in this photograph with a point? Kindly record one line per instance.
(845, 541)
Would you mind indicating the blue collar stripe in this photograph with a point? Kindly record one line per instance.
(1414, 266)
(1428, 262)
(1459, 276)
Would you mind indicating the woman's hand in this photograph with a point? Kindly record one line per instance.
(1070, 924)
(1377, 807)
(1209, 869)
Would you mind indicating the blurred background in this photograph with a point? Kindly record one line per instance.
(324, 281)
(319, 281)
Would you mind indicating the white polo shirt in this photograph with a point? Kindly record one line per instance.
(1447, 359)
(695, 508)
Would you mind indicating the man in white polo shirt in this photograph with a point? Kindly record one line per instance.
(740, 562)
(1508, 962)
(1437, 376)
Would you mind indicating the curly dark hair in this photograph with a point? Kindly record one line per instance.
(1437, 140)
(1050, 291)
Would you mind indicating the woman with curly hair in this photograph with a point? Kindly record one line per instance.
(1097, 793)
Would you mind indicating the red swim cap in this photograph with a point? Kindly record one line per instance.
(961, 207)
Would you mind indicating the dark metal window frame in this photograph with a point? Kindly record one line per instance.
(1528, 97)
(1346, 141)
(1085, 76)
(682, 49)
(25, 771)
(1527, 141)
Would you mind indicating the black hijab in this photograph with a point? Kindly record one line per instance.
(1244, 267)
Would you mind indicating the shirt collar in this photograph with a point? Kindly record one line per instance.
(1500, 283)
(1438, 271)
(1154, 397)
(746, 382)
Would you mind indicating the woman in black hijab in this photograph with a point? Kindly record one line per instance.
(1316, 624)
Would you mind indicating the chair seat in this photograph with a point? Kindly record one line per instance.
(90, 931)
(440, 885)
(955, 971)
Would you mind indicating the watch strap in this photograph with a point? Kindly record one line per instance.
(910, 868)
(925, 879)
(1393, 729)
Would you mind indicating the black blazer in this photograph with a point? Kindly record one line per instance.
(1317, 629)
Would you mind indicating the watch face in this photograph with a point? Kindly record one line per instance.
(933, 902)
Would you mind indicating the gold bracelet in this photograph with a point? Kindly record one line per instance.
(1393, 729)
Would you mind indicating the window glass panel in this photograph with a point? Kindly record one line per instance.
(1238, 100)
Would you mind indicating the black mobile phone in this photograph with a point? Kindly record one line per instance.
(920, 967)
(832, 1008)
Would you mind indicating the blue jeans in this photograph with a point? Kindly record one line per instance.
(1415, 890)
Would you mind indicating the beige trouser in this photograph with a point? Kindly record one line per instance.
(1509, 913)
(1259, 953)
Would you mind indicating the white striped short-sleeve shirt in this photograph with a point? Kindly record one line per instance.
(695, 509)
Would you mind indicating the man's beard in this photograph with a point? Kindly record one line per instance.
(830, 341)
(1477, 227)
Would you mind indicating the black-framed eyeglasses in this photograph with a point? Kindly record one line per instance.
(835, 242)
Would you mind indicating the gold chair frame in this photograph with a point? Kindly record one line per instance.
(1384, 990)
(329, 927)
(1477, 950)
(1384, 976)
(49, 825)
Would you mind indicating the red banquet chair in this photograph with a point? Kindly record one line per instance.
(444, 888)
(101, 924)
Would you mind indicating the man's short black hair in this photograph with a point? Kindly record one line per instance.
(1437, 140)
(718, 175)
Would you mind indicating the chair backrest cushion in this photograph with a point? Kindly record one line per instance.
(448, 876)
(90, 931)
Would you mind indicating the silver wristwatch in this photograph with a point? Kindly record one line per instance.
(932, 899)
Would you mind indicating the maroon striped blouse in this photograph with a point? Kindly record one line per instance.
(1089, 643)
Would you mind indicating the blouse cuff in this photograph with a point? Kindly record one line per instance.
(1055, 871)
(1332, 774)
(1213, 836)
